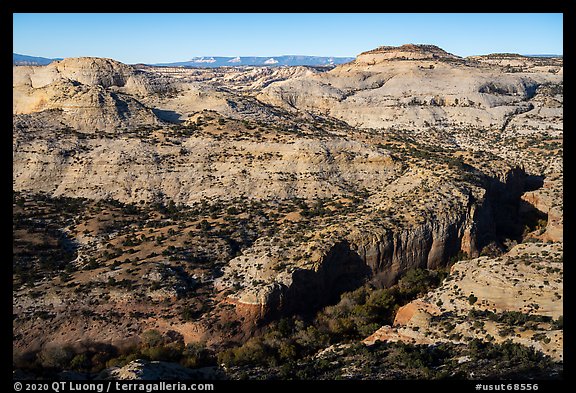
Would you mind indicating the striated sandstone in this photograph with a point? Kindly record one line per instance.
(416, 87)
(133, 169)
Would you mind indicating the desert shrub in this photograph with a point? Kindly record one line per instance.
(506, 331)
(558, 323)
(287, 351)
(232, 210)
(381, 303)
(506, 351)
(80, 362)
(151, 338)
(418, 282)
(189, 314)
(511, 351)
(411, 356)
(204, 226)
(541, 337)
(311, 338)
(55, 357)
(196, 355)
(359, 313)
(509, 318)
(122, 360)
(253, 352)
(157, 346)
(164, 353)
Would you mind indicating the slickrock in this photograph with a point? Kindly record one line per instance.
(416, 87)
(527, 281)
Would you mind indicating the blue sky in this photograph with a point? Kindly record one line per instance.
(155, 38)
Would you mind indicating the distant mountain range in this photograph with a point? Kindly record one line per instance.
(216, 61)
(219, 61)
(30, 60)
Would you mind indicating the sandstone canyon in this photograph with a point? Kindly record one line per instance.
(196, 215)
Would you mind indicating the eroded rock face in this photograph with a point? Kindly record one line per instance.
(381, 255)
(405, 52)
(134, 169)
(426, 246)
(88, 94)
(546, 200)
(527, 281)
(89, 71)
(417, 87)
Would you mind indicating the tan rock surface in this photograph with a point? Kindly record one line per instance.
(415, 87)
(528, 279)
(154, 371)
(82, 92)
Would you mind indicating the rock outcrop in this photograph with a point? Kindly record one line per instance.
(418, 86)
(547, 200)
(87, 94)
(134, 169)
(517, 296)
(154, 371)
(355, 254)
(405, 52)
